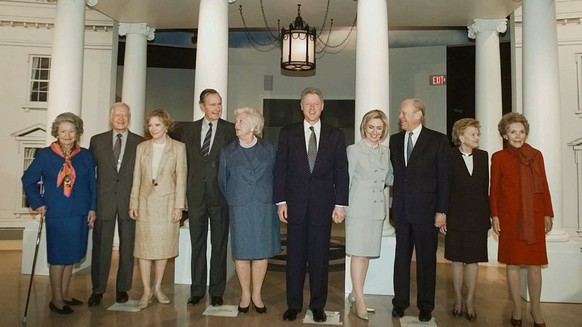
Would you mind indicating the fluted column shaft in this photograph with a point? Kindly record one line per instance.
(488, 96)
(134, 71)
(212, 52)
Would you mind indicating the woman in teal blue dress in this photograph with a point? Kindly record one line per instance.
(245, 178)
(67, 205)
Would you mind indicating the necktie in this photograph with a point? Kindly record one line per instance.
(312, 149)
(409, 146)
(117, 149)
(206, 143)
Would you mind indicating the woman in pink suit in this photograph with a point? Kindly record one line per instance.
(158, 195)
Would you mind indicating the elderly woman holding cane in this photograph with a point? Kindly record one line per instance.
(68, 204)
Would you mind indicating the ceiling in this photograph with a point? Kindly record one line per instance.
(402, 14)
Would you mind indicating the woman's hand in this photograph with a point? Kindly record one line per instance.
(338, 215)
(41, 211)
(443, 229)
(133, 214)
(176, 215)
(91, 218)
(495, 225)
(548, 223)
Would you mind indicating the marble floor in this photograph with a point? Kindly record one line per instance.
(493, 307)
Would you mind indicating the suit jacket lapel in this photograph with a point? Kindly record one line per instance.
(301, 146)
(421, 143)
(147, 159)
(218, 139)
(197, 130)
(165, 155)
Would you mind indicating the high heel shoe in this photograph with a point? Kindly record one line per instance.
(260, 310)
(144, 303)
(515, 322)
(243, 310)
(162, 298)
(361, 315)
(471, 317)
(543, 324)
(352, 301)
(457, 313)
(65, 310)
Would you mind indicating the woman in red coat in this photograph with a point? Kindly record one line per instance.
(522, 212)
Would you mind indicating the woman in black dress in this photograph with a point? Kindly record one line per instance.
(468, 217)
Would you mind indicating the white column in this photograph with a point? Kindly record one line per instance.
(66, 78)
(372, 60)
(488, 100)
(134, 71)
(541, 96)
(212, 52)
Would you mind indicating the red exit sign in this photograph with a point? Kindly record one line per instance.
(438, 79)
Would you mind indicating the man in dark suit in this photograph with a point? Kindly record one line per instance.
(421, 195)
(114, 153)
(311, 191)
(204, 139)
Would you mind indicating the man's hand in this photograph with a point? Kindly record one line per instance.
(282, 212)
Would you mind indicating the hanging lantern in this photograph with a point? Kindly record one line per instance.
(298, 45)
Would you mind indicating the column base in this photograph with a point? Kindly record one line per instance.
(380, 277)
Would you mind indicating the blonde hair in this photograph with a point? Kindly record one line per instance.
(374, 114)
(460, 126)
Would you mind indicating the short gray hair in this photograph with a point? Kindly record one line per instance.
(68, 117)
(255, 118)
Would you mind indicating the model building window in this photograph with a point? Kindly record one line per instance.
(39, 79)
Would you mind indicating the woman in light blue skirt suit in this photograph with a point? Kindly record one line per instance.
(370, 171)
(245, 178)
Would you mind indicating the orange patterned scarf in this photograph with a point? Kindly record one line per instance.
(67, 173)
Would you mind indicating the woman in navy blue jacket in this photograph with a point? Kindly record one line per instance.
(245, 178)
(67, 205)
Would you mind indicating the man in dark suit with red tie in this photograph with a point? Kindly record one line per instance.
(204, 139)
(310, 190)
(419, 157)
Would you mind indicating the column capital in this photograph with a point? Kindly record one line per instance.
(91, 3)
(137, 28)
(483, 25)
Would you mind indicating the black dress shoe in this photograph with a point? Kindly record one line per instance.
(319, 315)
(121, 297)
(243, 310)
(424, 315)
(65, 310)
(94, 300)
(290, 314)
(397, 312)
(74, 302)
(258, 309)
(216, 301)
(195, 299)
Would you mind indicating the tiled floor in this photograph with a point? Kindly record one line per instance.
(493, 308)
